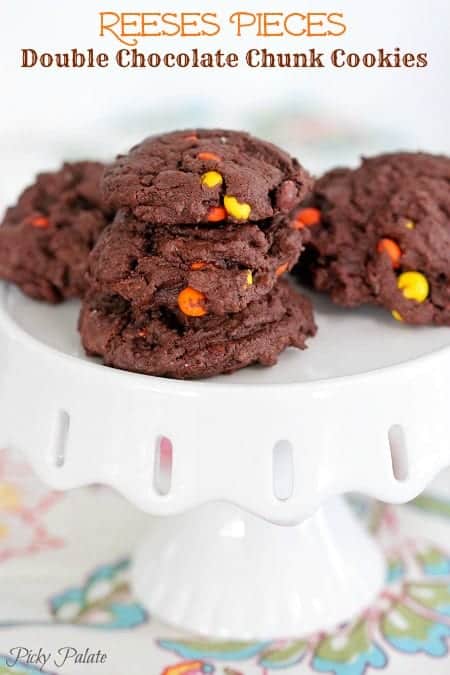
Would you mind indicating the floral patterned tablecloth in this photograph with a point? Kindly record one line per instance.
(65, 596)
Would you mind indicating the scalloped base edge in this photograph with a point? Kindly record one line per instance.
(221, 572)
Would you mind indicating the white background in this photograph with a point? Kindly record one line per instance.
(47, 115)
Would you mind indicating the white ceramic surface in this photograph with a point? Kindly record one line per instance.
(220, 571)
(440, 486)
(328, 413)
(334, 404)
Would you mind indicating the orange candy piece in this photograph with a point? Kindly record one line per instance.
(281, 269)
(392, 249)
(198, 266)
(216, 214)
(41, 222)
(192, 302)
(307, 218)
(191, 137)
(208, 156)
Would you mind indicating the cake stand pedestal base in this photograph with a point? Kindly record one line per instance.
(221, 572)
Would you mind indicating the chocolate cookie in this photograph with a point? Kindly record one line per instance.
(170, 344)
(227, 265)
(205, 176)
(46, 238)
(384, 236)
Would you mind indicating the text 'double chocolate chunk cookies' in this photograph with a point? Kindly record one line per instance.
(384, 236)
(45, 239)
(205, 176)
(201, 268)
(170, 344)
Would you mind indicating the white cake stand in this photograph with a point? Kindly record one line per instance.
(238, 459)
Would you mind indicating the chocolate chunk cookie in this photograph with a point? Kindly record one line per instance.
(384, 236)
(168, 343)
(46, 238)
(205, 176)
(227, 265)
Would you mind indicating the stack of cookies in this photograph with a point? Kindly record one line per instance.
(187, 280)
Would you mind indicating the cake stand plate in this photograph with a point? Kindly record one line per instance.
(238, 458)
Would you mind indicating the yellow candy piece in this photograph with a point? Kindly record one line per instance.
(212, 179)
(414, 286)
(410, 225)
(238, 210)
(397, 316)
(249, 278)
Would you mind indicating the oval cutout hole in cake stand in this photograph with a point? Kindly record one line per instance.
(162, 476)
(399, 452)
(59, 440)
(283, 470)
